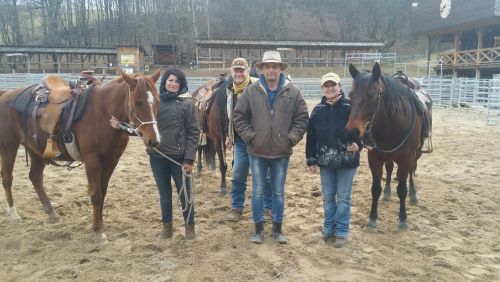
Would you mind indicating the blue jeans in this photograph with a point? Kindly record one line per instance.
(260, 169)
(337, 187)
(163, 171)
(240, 174)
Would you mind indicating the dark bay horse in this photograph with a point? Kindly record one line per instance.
(389, 116)
(426, 101)
(130, 99)
(214, 120)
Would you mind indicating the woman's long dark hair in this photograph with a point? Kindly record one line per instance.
(180, 76)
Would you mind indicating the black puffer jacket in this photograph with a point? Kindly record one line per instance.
(325, 144)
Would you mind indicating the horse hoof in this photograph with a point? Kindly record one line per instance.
(223, 192)
(13, 216)
(413, 201)
(372, 225)
(53, 218)
(403, 225)
(386, 198)
(100, 237)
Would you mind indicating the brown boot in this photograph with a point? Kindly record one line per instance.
(190, 234)
(166, 231)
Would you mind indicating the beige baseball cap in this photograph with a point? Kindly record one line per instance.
(330, 77)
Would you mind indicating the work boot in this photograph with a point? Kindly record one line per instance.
(258, 237)
(190, 234)
(166, 231)
(278, 235)
(234, 214)
(340, 242)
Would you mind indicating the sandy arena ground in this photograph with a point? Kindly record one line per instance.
(454, 232)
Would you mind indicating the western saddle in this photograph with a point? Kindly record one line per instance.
(57, 93)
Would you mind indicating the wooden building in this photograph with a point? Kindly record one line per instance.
(131, 58)
(220, 53)
(37, 59)
(464, 35)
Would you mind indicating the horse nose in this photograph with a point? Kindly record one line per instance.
(152, 143)
(352, 134)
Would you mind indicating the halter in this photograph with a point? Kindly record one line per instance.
(369, 128)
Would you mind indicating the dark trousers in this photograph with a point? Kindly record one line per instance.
(163, 171)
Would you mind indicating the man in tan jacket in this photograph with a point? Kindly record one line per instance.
(271, 117)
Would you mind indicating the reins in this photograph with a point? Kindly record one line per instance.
(369, 129)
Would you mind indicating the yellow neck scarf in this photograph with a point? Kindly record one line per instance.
(238, 89)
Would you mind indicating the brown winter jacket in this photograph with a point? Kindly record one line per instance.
(271, 133)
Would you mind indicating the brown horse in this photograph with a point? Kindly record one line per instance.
(213, 118)
(426, 101)
(389, 116)
(130, 99)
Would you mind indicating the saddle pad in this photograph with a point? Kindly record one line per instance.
(24, 103)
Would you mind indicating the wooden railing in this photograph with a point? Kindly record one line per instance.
(470, 57)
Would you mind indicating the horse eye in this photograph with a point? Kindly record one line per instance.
(139, 103)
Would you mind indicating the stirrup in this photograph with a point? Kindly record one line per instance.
(51, 150)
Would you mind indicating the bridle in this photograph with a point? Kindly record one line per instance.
(369, 128)
(132, 112)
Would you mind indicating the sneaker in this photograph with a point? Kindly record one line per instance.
(327, 237)
(340, 242)
(234, 215)
(268, 215)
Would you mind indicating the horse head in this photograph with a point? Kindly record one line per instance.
(365, 96)
(143, 103)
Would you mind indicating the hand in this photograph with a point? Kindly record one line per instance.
(353, 147)
(313, 169)
(114, 122)
(229, 143)
(188, 168)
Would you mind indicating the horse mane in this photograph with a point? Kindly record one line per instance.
(394, 92)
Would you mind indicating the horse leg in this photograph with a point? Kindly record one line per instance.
(36, 177)
(413, 191)
(222, 168)
(8, 157)
(389, 166)
(403, 170)
(199, 165)
(376, 167)
(94, 170)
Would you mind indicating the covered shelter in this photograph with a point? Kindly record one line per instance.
(218, 53)
(465, 35)
(55, 59)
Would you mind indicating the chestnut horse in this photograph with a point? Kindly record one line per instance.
(130, 99)
(213, 118)
(390, 116)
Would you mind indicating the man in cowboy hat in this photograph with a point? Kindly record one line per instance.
(240, 80)
(271, 117)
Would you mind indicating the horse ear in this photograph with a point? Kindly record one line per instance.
(376, 72)
(129, 80)
(353, 71)
(155, 76)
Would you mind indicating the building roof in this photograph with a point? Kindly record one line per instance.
(57, 50)
(287, 44)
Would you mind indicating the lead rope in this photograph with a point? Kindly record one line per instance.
(188, 199)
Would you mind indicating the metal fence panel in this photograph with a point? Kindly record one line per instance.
(463, 93)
